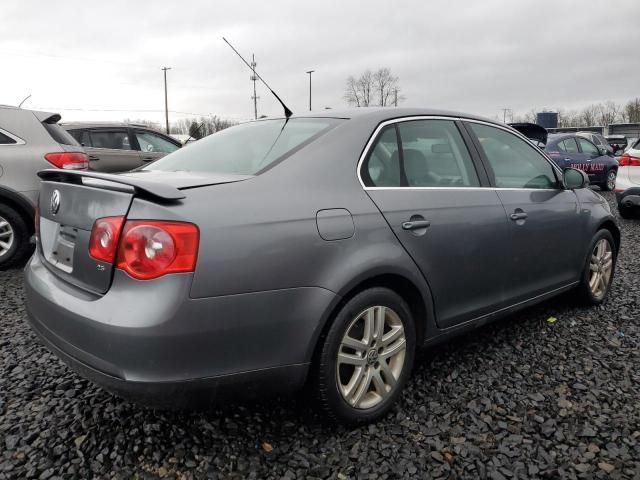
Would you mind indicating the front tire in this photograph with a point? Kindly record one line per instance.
(366, 357)
(14, 238)
(610, 182)
(599, 269)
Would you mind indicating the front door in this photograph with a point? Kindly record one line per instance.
(153, 145)
(424, 181)
(544, 250)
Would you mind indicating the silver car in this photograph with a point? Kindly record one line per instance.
(120, 147)
(29, 141)
(322, 250)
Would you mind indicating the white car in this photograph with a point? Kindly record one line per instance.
(628, 181)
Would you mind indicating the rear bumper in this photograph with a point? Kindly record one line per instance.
(148, 341)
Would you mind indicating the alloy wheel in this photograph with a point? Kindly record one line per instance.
(6, 236)
(601, 267)
(371, 357)
(611, 180)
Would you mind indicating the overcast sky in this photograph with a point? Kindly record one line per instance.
(101, 60)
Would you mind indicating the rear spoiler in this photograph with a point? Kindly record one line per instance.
(532, 131)
(113, 182)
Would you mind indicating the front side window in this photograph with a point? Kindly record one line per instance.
(112, 139)
(589, 148)
(432, 154)
(514, 162)
(151, 142)
(247, 149)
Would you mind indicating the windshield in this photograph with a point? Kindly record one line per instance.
(247, 149)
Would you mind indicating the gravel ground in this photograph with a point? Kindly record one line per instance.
(522, 398)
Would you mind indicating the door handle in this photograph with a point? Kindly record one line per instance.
(147, 159)
(416, 224)
(518, 216)
(93, 158)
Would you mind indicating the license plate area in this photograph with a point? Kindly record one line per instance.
(58, 244)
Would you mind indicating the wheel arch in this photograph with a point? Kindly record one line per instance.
(611, 226)
(413, 291)
(22, 206)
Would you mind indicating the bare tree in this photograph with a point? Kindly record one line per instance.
(379, 88)
(589, 115)
(608, 112)
(631, 112)
(386, 86)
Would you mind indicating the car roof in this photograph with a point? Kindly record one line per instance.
(103, 124)
(382, 114)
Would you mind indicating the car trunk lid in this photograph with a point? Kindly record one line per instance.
(71, 201)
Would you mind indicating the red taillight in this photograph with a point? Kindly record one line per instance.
(626, 160)
(68, 160)
(149, 249)
(105, 234)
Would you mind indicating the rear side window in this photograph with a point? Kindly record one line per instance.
(383, 164)
(6, 140)
(112, 139)
(59, 134)
(247, 149)
(569, 145)
(514, 162)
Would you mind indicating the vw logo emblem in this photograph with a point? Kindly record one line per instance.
(55, 202)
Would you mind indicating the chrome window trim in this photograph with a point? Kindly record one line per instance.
(508, 129)
(17, 139)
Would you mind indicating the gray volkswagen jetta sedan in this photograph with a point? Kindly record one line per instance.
(318, 250)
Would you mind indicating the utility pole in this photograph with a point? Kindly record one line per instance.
(253, 78)
(310, 72)
(504, 114)
(395, 97)
(166, 105)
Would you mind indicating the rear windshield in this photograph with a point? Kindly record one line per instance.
(247, 149)
(59, 134)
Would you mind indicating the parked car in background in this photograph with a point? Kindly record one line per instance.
(340, 242)
(628, 182)
(632, 142)
(597, 139)
(618, 143)
(29, 141)
(574, 150)
(120, 147)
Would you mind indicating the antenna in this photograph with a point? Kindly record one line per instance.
(287, 112)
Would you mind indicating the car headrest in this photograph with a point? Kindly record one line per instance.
(440, 148)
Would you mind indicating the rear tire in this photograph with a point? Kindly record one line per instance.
(361, 370)
(14, 238)
(599, 269)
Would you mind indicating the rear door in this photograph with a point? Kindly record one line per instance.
(111, 150)
(424, 181)
(546, 226)
(153, 145)
(565, 153)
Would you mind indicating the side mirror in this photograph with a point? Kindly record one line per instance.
(573, 179)
(603, 151)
